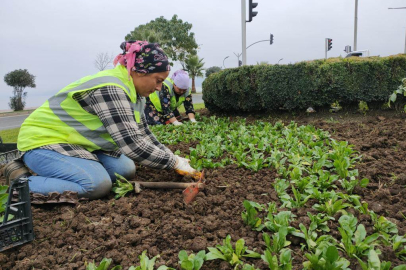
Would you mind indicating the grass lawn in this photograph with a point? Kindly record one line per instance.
(197, 106)
(10, 135)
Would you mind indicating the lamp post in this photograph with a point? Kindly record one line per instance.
(280, 60)
(225, 60)
(405, 34)
(356, 25)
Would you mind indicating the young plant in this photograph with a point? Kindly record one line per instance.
(374, 263)
(331, 207)
(104, 265)
(227, 253)
(353, 182)
(3, 201)
(278, 240)
(354, 242)
(121, 186)
(148, 264)
(191, 262)
(298, 200)
(319, 222)
(274, 222)
(382, 225)
(310, 236)
(250, 216)
(326, 258)
(285, 260)
(401, 90)
(248, 267)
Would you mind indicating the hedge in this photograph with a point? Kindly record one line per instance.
(316, 83)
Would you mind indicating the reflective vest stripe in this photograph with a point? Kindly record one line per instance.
(91, 135)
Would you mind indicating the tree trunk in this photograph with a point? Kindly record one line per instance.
(193, 85)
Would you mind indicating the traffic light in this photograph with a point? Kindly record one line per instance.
(251, 12)
(239, 63)
(347, 49)
(271, 40)
(329, 44)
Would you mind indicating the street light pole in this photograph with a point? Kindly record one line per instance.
(243, 25)
(356, 25)
(224, 60)
(280, 60)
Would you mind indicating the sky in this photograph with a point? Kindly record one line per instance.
(58, 40)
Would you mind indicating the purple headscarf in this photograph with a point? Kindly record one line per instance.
(142, 57)
(181, 79)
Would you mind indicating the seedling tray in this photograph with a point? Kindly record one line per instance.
(17, 227)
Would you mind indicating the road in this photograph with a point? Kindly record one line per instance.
(9, 122)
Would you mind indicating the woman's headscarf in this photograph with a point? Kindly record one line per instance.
(142, 57)
(181, 79)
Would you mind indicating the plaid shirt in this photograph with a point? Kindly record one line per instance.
(113, 107)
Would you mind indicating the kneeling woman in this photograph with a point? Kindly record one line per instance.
(96, 127)
(162, 106)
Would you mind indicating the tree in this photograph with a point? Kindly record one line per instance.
(194, 66)
(103, 60)
(212, 70)
(19, 79)
(173, 35)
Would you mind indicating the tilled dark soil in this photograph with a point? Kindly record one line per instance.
(159, 221)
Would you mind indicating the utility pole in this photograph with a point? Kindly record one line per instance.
(356, 25)
(244, 33)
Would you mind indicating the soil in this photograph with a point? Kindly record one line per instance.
(67, 236)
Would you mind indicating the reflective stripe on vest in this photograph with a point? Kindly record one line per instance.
(91, 135)
(155, 99)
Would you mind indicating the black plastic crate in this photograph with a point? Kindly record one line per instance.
(19, 229)
(8, 152)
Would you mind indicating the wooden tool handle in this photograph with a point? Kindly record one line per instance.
(169, 185)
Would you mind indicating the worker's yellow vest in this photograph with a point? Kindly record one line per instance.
(154, 97)
(61, 119)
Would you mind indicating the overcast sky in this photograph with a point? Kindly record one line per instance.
(58, 40)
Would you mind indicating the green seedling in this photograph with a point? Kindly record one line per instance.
(326, 258)
(374, 263)
(274, 222)
(353, 182)
(249, 267)
(250, 216)
(104, 265)
(227, 253)
(148, 264)
(121, 186)
(354, 242)
(310, 236)
(285, 260)
(382, 225)
(3, 201)
(278, 240)
(332, 207)
(319, 222)
(191, 262)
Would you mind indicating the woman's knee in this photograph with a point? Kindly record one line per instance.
(99, 188)
(126, 168)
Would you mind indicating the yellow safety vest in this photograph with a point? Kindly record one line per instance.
(154, 97)
(61, 119)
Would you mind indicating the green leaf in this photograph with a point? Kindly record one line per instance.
(331, 254)
(214, 254)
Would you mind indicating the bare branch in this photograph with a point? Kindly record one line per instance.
(103, 60)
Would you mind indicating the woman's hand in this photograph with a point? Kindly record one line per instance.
(183, 167)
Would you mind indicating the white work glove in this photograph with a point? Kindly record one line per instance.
(182, 167)
(193, 120)
(177, 123)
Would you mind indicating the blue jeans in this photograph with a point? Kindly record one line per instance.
(89, 178)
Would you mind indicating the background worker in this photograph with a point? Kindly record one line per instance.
(162, 106)
(96, 127)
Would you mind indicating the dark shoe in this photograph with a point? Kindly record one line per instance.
(14, 170)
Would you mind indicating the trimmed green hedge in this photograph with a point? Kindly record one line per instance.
(316, 83)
